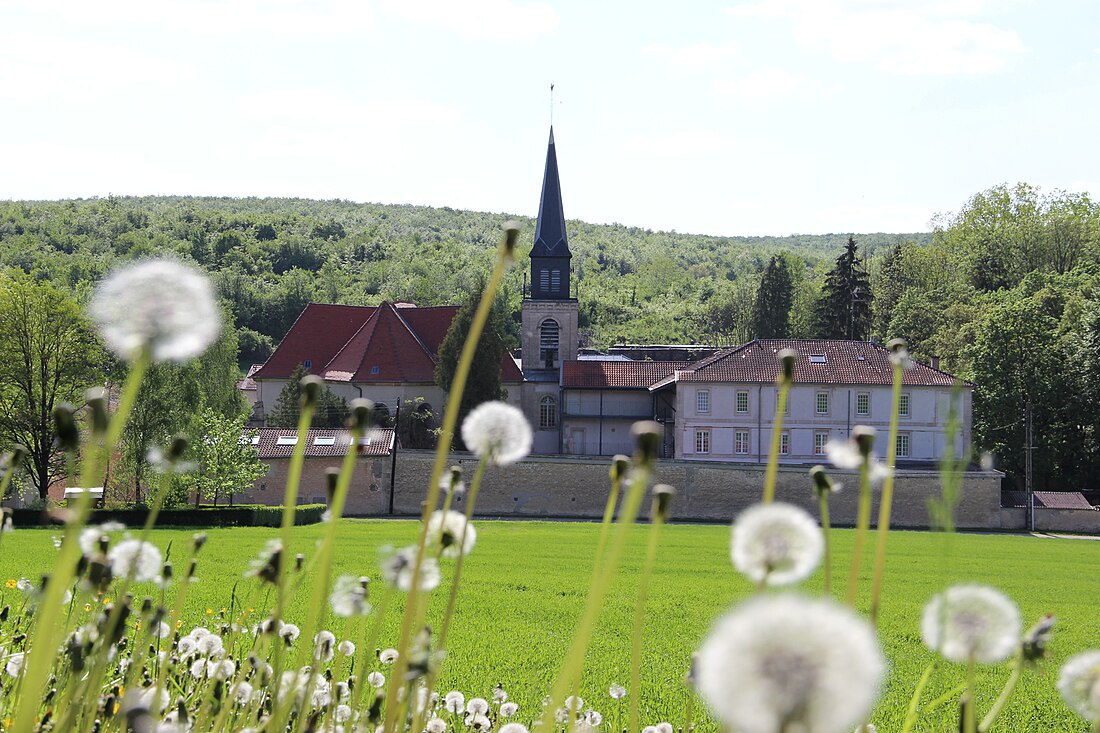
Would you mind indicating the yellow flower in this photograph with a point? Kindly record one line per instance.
(87, 607)
(210, 612)
(11, 583)
(179, 623)
(106, 601)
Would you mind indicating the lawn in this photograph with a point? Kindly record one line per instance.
(525, 583)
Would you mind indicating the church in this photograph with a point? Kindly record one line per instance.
(714, 405)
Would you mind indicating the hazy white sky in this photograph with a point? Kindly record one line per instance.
(756, 117)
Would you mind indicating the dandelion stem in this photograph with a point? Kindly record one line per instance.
(914, 702)
(475, 484)
(863, 519)
(45, 633)
(1003, 698)
(570, 670)
(883, 529)
(827, 563)
(970, 717)
(414, 610)
(772, 472)
(639, 616)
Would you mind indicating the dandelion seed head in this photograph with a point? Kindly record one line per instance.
(347, 648)
(162, 304)
(617, 692)
(389, 656)
(1079, 683)
(376, 679)
(398, 570)
(454, 702)
(289, 632)
(452, 532)
(477, 706)
(13, 664)
(513, 728)
(787, 659)
(349, 597)
(436, 725)
(497, 430)
(971, 621)
(778, 544)
(508, 709)
(135, 559)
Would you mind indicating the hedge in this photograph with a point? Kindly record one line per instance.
(249, 515)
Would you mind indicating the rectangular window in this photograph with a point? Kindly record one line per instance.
(742, 401)
(555, 281)
(544, 280)
(822, 403)
(702, 400)
(903, 405)
(820, 439)
(287, 440)
(903, 445)
(863, 404)
(784, 443)
(702, 441)
(741, 442)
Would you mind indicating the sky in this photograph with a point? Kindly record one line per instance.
(727, 118)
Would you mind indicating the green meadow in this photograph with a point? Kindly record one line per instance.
(525, 584)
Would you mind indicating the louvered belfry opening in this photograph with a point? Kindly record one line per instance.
(549, 339)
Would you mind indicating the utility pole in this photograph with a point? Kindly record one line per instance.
(1029, 486)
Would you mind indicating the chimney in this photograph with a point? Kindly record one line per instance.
(934, 362)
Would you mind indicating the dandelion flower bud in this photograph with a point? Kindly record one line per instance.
(497, 430)
(96, 398)
(361, 415)
(776, 544)
(662, 501)
(971, 622)
(311, 391)
(162, 305)
(508, 243)
(864, 438)
(647, 440)
(177, 448)
(899, 353)
(66, 433)
(1035, 641)
(823, 485)
(787, 358)
(1079, 683)
(788, 662)
(620, 464)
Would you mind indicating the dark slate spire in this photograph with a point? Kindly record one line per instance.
(550, 240)
(550, 256)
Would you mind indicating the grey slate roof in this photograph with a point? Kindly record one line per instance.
(550, 239)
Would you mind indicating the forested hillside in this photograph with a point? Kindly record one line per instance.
(271, 256)
(1006, 290)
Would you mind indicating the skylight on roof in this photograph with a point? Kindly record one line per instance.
(818, 359)
(325, 440)
(255, 440)
(365, 440)
(287, 440)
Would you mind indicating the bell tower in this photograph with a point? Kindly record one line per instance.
(549, 313)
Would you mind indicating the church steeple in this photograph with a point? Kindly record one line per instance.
(550, 255)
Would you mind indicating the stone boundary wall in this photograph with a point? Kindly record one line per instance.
(1074, 521)
(574, 487)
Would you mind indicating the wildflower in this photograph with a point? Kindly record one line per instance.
(849, 454)
(10, 583)
(160, 304)
(349, 596)
(289, 632)
(454, 702)
(438, 725)
(477, 721)
(508, 709)
(398, 568)
(573, 703)
(346, 648)
(135, 559)
(593, 718)
(341, 714)
(323, 644)
(477, 706)
(617, 692)
(971, 622)
(1079, 683)
(242, 692)
(144, 698)
(899, 353)
(389, 656)
(777, 544)
(513, 728)
(499, 694)
(376, 679)
(664, 728)
(497, 430)
(1033, 646)
(343, 691)
(449, 530)
(266, 566)
(786, 662)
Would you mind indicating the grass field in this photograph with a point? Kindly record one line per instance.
(525, 584)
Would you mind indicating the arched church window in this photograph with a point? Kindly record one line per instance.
(549, 334)
(548, 413)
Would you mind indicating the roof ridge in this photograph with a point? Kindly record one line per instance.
(372, 318)
(411, 330)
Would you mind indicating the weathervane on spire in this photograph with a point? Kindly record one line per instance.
(551, 105)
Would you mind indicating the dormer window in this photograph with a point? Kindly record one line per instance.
(374, 369)
(308, 363)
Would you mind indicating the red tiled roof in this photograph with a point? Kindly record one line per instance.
(616, 374)
(380, 442)
(347, 343)
(248, 384)
(845, 362)
(1062, 500)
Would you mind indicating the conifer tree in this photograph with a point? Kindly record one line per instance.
(844, 310)
(330, 413)
(772, 308)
